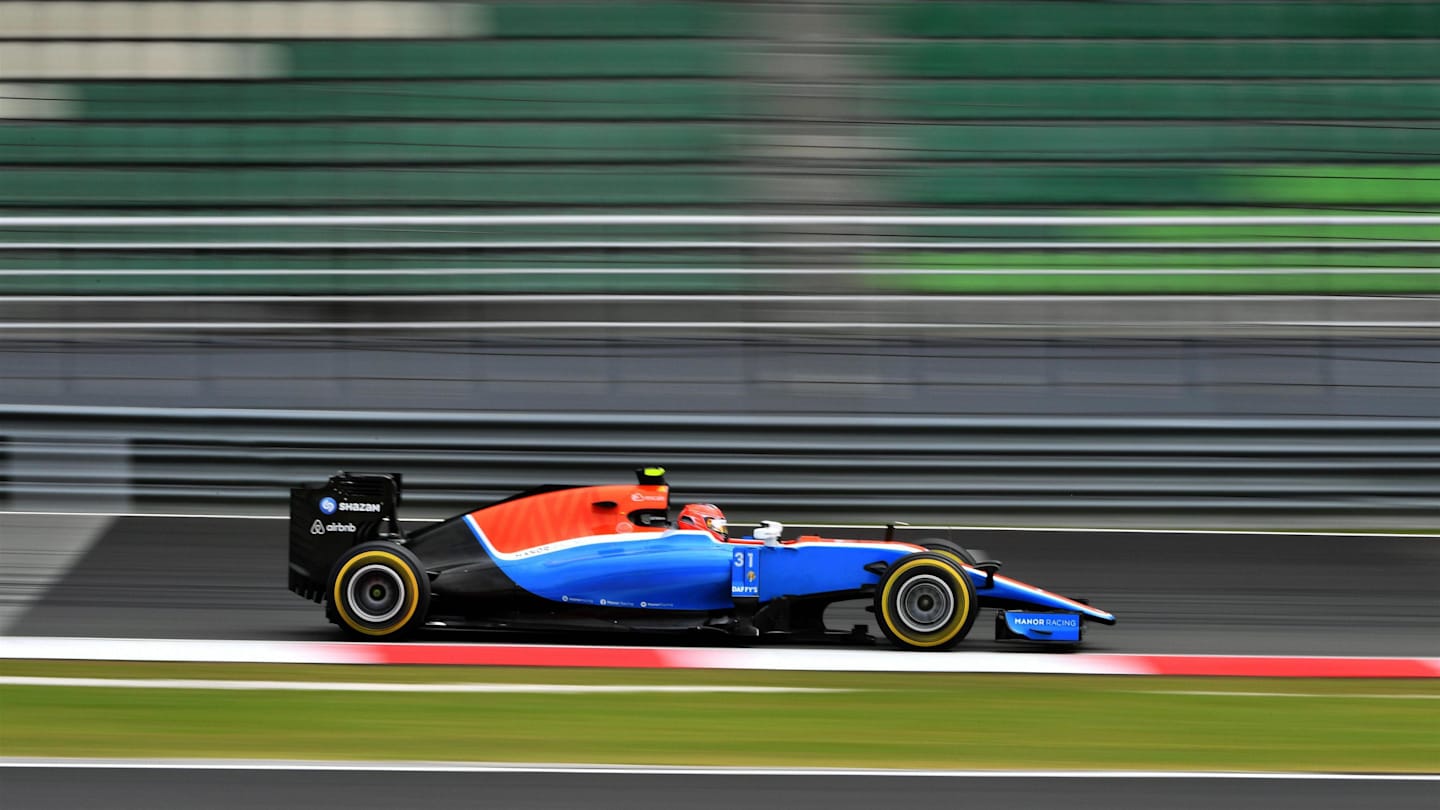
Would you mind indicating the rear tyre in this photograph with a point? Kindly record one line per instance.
(378, 590)
(925, 602)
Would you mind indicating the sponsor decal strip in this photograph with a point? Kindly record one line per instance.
(304, 652)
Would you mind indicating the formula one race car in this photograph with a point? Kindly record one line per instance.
(608, 558)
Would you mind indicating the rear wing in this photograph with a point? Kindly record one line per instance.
(326, 519)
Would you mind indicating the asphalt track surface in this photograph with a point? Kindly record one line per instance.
(226, 789)
(155, 577)
(224, 578)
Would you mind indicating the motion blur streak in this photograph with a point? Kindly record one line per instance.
(1185, 605)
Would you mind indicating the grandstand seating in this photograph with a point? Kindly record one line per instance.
(644, 104)
(1204, 19)
(579, 104)
(1163, 104)
(651, 106)
(532, 100)
(1159, 99)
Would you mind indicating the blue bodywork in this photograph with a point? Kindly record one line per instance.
(673, 570)
(691, 571)
(1056, 627)
(599, 558)
(1013, 593)
(687, 570)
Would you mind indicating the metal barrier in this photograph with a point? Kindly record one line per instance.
(176, 345)
(85, 273)
(802, 468)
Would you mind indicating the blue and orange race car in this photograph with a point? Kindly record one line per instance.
(586, 558)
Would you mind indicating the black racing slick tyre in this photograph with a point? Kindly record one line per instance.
(925, 602)
(378, 591)
(948, 548)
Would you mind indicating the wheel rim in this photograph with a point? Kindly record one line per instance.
(926, 603)
(375, 594)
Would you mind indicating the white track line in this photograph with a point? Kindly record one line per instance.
(190, 515)
(876, 526)
(553, 326)
(341, 686)
(401, 766)
(528, 297)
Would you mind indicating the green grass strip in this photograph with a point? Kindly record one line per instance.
(896, 721)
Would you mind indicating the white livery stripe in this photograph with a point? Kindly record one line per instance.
(1079, 606)
(561, 545)
(877, 545)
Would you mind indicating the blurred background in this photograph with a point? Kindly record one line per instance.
(1037, 263)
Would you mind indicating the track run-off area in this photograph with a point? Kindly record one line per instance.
(171, 650)
(776, 660)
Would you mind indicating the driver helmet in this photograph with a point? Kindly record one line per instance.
(705, 516)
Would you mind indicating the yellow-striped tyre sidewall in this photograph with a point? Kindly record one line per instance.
(390, 560)
(948, 634)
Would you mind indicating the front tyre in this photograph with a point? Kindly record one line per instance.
(925, 602)
(949, 548)
(378, 590)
